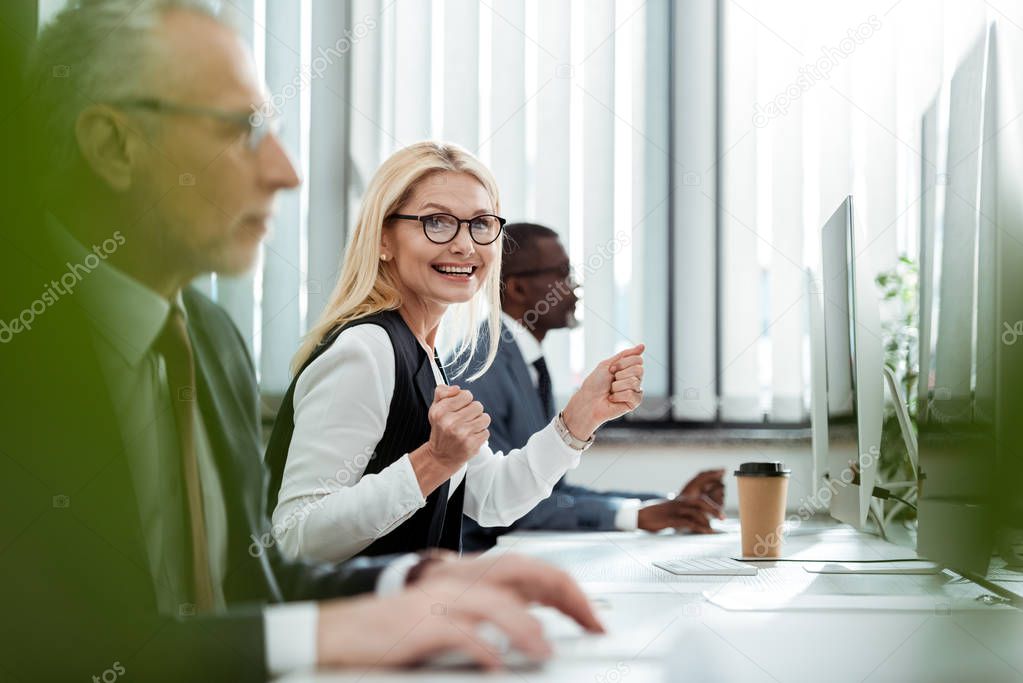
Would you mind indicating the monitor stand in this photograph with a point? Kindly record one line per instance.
(912, 450)
(1010, 546)
(908, 437)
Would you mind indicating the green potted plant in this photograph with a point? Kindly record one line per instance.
(900, 310)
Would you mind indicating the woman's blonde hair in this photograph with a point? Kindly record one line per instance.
(368, 286)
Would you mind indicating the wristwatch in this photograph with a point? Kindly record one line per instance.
(562, 429)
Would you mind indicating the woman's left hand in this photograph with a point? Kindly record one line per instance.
(614, 388)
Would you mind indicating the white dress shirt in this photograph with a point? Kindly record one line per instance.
(329, 510)
(126, 318)
(627, 515)
(527, 344)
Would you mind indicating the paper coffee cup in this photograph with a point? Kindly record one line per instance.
(763, 488)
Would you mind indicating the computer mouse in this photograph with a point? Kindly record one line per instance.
(511, 658)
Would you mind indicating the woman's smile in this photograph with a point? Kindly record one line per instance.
(456, 272)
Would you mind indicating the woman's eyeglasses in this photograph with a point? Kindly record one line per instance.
(441, 228)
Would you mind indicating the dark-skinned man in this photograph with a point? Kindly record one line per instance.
(539, 295)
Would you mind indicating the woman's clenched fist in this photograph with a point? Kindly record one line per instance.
(458, 426)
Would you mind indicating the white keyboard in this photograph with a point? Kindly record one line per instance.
(707, 566)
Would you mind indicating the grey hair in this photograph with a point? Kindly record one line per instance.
(93, 51)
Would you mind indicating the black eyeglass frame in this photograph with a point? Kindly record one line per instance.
(563, 272)
(425, 217)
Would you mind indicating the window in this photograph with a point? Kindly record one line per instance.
(687, 153)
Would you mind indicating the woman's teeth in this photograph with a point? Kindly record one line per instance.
(455, 270)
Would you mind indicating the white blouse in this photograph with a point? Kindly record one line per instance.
(328, 511)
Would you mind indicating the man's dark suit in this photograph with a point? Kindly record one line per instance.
(516, 411)
(74, 581)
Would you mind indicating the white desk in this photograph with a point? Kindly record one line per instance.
(663, 627)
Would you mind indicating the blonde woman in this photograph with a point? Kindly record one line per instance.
(374, 450)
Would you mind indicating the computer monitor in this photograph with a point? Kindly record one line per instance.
(953, 298)
(852, 343)
(958, 431)
(818, 390)
(1008, 212)
(932, 195)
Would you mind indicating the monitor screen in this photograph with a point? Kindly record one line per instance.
(852, 343)
(958, 431)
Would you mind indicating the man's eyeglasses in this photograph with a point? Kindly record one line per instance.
(563, 272)
(254, 126)
(441, 228)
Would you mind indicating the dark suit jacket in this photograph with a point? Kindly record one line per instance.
(513, 403)
(74, 581)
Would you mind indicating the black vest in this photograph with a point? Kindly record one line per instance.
(438, 524)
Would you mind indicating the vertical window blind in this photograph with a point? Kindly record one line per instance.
(566, 102)
(687, 153)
